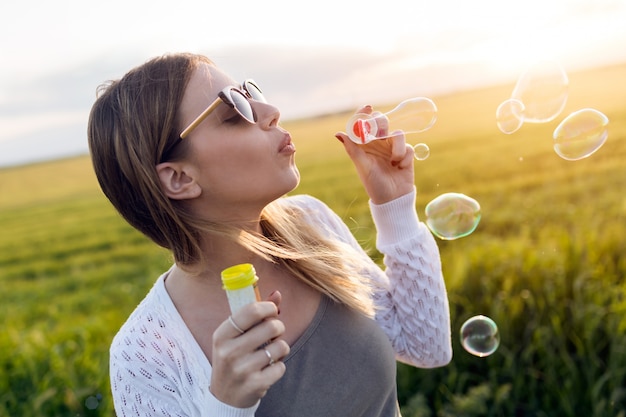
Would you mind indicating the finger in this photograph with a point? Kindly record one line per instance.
(253, 313)
(262, 358)
(352, 149)
(245, 318)
(341, 136)
(271, 373)
(235, 326)
(272, 353)
(268, 376)
(382, 125)
(264, 331)
(274, 372)
(229, 329)
(240, 349)
(408, 158)
(250, 380)
(367, 109)
(275, 297)
(398, 147)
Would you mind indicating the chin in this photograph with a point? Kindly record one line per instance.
(289, 181)
(296, 178)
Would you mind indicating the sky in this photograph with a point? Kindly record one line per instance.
(310, 58)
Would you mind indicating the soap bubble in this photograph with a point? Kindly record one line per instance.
(510, 116)
(580, 134)
(480, 336)
(543, 89)
(452, 215)
(422, 151)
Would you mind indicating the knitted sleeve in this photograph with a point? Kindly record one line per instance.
(414, 311)
(411, 298)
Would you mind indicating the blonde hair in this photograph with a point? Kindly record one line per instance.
(132, 127)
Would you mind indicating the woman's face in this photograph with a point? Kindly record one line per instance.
(241, 166)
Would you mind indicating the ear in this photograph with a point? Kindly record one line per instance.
(177, 181)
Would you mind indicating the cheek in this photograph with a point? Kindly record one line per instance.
(233, 165)
(245, 158)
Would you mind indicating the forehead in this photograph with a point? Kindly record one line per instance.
(203, 87)
(207, 76)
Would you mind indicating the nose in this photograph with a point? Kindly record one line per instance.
(267, 114)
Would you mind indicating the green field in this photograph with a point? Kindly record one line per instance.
(547, 263)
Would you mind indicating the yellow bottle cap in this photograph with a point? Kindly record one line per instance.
(239, 276)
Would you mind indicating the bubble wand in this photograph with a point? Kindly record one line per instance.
(413, 115)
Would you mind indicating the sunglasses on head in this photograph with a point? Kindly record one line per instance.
(235, 99)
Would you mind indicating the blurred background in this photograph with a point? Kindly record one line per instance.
(311, 58)
(546, 261)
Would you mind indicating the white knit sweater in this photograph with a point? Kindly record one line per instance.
(158, 369)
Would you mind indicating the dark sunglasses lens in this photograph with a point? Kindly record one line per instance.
(254, 91)
(242, 105)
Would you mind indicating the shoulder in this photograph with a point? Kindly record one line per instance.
(143, 328)
(154, 326)
(314, 210)
(305, 202)
(318, 214)
(310, 206)
(154, 359)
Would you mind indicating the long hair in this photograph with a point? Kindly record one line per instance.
(132, 126)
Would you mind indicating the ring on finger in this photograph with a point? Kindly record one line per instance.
(232, 322)
(269, 356)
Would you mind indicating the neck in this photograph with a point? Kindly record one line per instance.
(221, 252)
(204, 283)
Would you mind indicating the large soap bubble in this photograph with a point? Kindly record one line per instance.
(580, 134)
(452, 215)
(480, 336)
(543, 89)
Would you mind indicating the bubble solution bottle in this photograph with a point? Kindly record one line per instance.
(240, 283)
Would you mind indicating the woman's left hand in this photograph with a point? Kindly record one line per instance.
(385, 166)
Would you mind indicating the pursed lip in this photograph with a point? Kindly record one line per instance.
(287, 145)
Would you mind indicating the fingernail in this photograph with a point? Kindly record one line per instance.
(339, 138)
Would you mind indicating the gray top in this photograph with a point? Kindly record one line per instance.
(343, 365)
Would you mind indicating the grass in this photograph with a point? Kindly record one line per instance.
(546, 263)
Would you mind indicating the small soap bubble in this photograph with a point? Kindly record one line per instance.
(580, 134)
(510, 116)
(543, 89)
(422, 151)
(452, 216)
(480, 336)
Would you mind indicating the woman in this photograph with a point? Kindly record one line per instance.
(201, 165)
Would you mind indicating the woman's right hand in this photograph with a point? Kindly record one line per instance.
(242, 372)
(385, 166)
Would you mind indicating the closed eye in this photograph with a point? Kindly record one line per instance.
(234, 120)
(232, 117)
